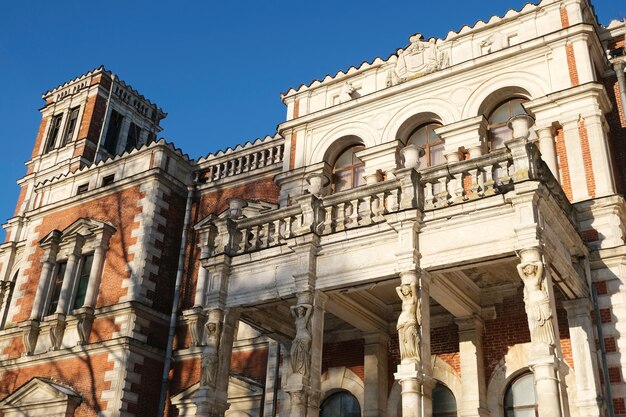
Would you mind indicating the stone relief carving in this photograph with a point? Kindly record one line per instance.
(347, 92)
(537, 302)
(408, 323)
(419, 58)
(210, 355)
(494, 42)
(301, 346)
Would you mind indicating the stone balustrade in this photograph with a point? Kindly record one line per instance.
(429, 189)
(241, 162)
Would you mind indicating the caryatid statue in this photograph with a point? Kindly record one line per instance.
(301, 346)
(409, 323)
(537, 301)
(210, 356)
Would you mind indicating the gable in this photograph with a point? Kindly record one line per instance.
(40, 397)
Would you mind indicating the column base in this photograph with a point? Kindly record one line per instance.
(209, 403)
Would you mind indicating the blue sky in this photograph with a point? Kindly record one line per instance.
(217, 68)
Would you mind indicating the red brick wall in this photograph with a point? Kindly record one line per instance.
(444, 342)
(571, 64)
(85, 375)
(148, 389)
(39, 139)
(588, 166)
(118, 209)
(566, 182)
(564, 17)
(349, 354)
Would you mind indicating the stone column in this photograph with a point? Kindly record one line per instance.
(375, 369)
(540, 310)
(271, 379)
(585, 356)
(48, 261)
(68, 278)
(414, 371)
(95, 275)
(472, 367)
(548, 151)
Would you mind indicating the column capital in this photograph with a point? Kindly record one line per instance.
(470, 323)
(374, 338)
(577, 307)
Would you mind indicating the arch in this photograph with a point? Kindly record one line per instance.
(342, 378)
(325, 146)
(442, 372)
(494, 90)
(515, 363)
(416, 113)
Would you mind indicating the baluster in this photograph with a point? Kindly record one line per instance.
(443, 195)
(255, 161)
(366, 213)
(277, 155)
(265, 235)
(429, 197)
(274, 233)
(239, 169)
(474, 188)
(288, 223)
(270, 157)
(458, 192)
(209, 176)
(481, 181)
(503, 177)
(354, 213)
(218, 171)
(489, 176)
(231, 167)
(340, 222)
(243, 242)
(262, 159)
(379, 207)
(246, 167)
(328, 220)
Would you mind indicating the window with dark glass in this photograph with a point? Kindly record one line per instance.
(499, 131)
(108, 180)
(6, 301)
(520, 399)
(426, 137)
(57, 283)
(53, 133)
(133, 136)
(340, 404)
(348, 170)
(444, 403)
(113, 132)
(82, 189)
(70, 126)
(83, 281)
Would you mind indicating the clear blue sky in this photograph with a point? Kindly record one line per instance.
(217, 68)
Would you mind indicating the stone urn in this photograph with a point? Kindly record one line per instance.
(520, 125)
(317, 182)
(411, 155)
(236, 206)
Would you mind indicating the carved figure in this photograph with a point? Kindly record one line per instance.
(494, 42)
(419, 58)
(537, 302)
(210, 355)
(301, 346)
(346, 92)
(408, 323)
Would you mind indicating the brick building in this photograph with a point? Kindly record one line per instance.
(440, 232)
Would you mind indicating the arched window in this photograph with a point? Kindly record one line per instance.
(348, 170)
(444, 403)
(426, 137)
(520, 400)
(340, 404)
(499, 132)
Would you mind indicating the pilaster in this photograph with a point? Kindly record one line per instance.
(472, 367)
(375, 370)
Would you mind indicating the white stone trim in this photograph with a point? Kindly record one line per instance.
(342, 378)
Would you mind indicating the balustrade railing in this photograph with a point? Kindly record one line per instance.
(243, 163)
(430, 189)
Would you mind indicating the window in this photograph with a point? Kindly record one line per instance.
(82, 281)
(133, 136)
(7, 293)
(426, 137)
(348, 170)
(520, 400)
(113, 132)
(108, 180)
(444, 403)
(82, 189)
(55, 288)
(55, 125)
(499, 131)
(70, 126)
(340, 404)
